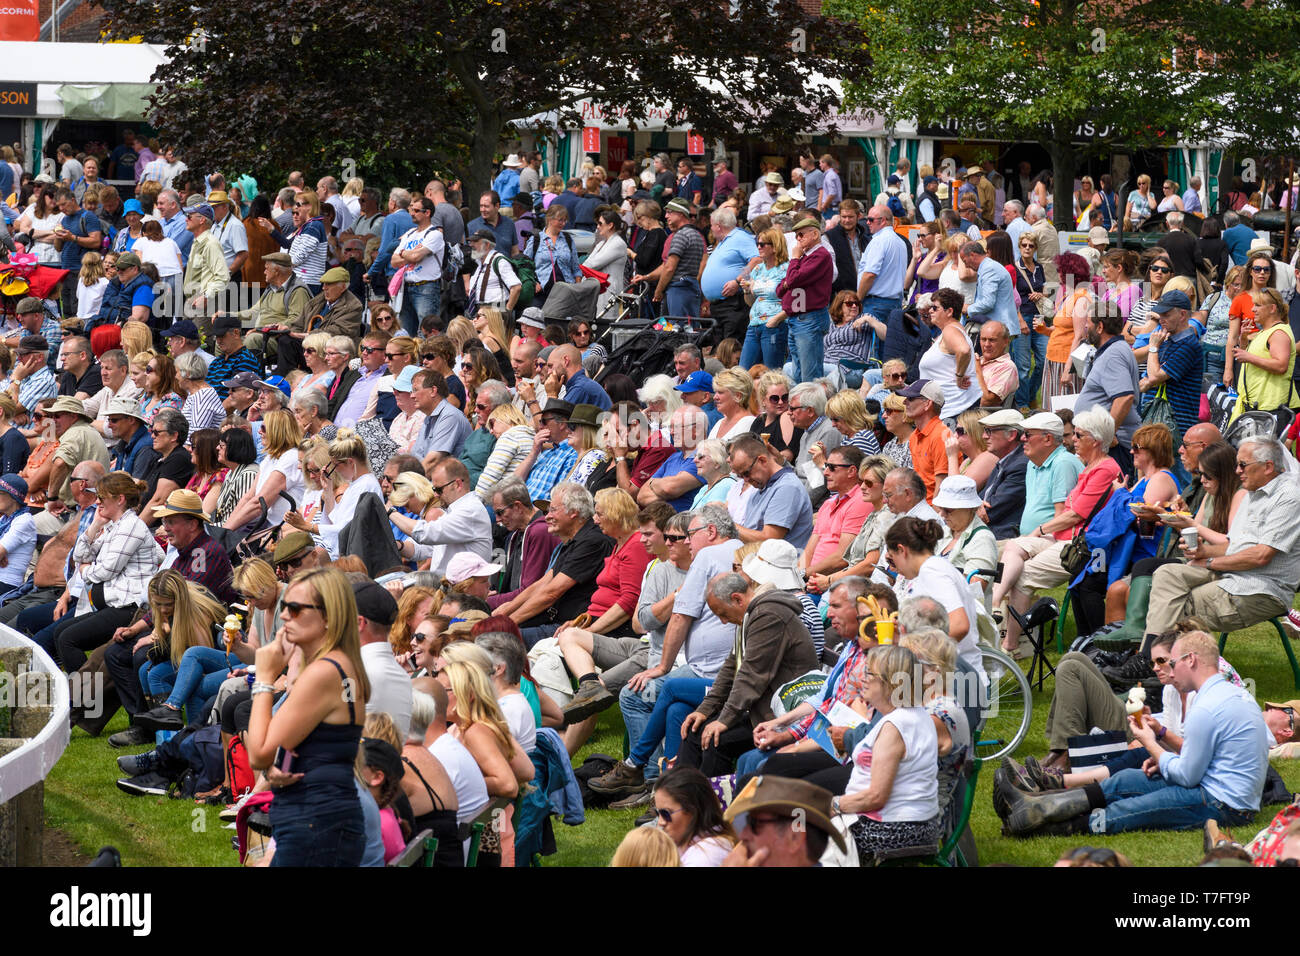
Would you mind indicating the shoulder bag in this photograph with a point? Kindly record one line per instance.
(1077, 554)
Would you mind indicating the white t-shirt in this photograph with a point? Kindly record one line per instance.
(294, 486)
(519, 718)
(466, 777)
(333, 524)
(390, 686)
(164, 254)
(19, 541)
(709, 851)
(939, 579)
(89, 297)
(343, 215)
(430, 267)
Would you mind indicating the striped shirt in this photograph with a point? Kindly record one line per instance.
(511, 449)
(226, 367)
(309, 250)
(203, 409)
(53, 333)
(40, 384)
(866, 441)
(122, 557)
(688, 245)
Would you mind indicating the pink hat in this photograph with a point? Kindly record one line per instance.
(468, 565)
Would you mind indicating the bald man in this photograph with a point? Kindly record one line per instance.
(565, 363)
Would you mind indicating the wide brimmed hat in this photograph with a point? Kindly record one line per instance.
(775, 563)
(121, 405)
(957, 491)
(512, 161)
(584, 415)
(183, 502)
(68, 403)
(789, 794)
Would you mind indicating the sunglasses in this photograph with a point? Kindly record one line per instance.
(393, 355)
(755, 823)
(427, 356)
(1160, 269)
(675, 538)
(831, 465)
(368, 349)
(1261, 268)
(1161, 661)
(293, 607)
(779, 399)
(305, 352)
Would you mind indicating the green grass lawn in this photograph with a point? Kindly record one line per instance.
(82, 800)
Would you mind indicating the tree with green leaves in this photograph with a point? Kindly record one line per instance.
(252, 83)
(1067, 74)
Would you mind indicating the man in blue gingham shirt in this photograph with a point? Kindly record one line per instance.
(31, 378)
(550, 466)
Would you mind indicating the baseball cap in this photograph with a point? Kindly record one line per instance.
(466, 565)
(226, 323)
(184, 329)
(243, 380)
(1174, 299)
(696, 382)
(924, 388)
(1004, 418)
(276, 381)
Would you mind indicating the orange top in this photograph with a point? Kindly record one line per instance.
(1243, 307)
(1058, 346)
(929, 456)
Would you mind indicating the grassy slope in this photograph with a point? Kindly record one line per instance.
(81, 798)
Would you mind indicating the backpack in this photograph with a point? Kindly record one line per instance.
(527, 275)
(453, 261)
(238, 769)
(897, 208)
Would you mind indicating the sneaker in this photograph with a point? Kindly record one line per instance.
(636, 800)
(131, 737)
(1292, 619)
(1019, 775)
(148, 783)
(592, 697)
(1136, 670)
(133, 765)
(161, 717)
(622, 781)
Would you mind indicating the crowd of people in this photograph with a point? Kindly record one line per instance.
(422, 521)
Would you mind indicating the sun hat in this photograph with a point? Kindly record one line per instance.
(466, 565)
(777, 563)
(183, 502)
(957, 491)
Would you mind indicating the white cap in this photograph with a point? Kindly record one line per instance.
(1004, 418)
(1044, 422)
(468, 565)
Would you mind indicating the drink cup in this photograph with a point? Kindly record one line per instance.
(1190, 539)
(884, 632)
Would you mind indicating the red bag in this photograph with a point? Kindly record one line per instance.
(601, 277)
(238, 769)
(1266, 846)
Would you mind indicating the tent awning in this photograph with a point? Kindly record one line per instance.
(94, 81)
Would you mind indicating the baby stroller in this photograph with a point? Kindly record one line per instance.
(638, 349)
(572, 300)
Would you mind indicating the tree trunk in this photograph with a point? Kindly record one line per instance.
(1064, 165)
(476, 178)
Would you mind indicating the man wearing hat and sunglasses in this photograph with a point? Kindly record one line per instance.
(129, 295)
(230, 232)
(781, 821)
(760, 204)
(31, 378)
(678, 286)
(78, 442)
(296, 551)
(282, 306)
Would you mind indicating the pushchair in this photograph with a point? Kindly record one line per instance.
(639, 348)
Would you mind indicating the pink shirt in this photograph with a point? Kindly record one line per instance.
(843, 514)
(406, 429)
(1001, 377)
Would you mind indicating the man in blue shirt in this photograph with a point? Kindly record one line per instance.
(173, 220)
(506, 185)
(677, 479)
(1237, 236)
(79, 233)
(994, 299)
(882, 269)
(697, 390)
(1192, 197)
(1218, 773)
(127, 424)
(1175, 359)
(782, 508)
(397, 223)
(688, 186)
(490, 218)
(720, 283)
(565, 363)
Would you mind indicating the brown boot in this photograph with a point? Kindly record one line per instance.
(1057, 760)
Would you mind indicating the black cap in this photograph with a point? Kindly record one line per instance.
(375, 603)
(33, 343)
(486, 234)
(226, 323)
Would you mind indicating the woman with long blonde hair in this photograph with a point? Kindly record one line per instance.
(473, 710)
(309, 746)
(461, 332)
(279, 472)
(514, 442)
(184, 662)
(349, 468)
(490, 325)
(136, 338)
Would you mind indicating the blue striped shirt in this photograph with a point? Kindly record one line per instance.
(40, 384)
(226, 367)
(549, 469)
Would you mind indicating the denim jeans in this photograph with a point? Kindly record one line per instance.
(1023, 347)
(683, 297)
(1135, 801)
(751, 762)
(39, 622)
(807, 343)
(202, 672)
(677, 697)
(418, 303)
(637, 709)
(763, 345)
(880, 306)
(324, 839)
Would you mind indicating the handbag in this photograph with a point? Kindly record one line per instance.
(1092, 750)
(1160, 412)
(1081, 358)
(1076, 555)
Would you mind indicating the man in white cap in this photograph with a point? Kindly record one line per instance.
(1098, 245)
(1004, 489)
(1052, 472)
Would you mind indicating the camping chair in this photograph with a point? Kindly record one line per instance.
(1286, 646)
(1034, 625)
(419, 852)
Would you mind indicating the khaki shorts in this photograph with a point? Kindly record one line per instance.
(1043, 570)
(619, 658)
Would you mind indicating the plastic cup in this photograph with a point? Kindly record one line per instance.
(884, 632)
(1190, 539)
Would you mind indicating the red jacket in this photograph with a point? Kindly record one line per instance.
(812, 273)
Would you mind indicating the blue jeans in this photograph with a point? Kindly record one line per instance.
(682, 298)
(1024, 347)
(751, 762)
(418, 303)
(202, 672)
(324, 839)
(1135, 801)
(677, 698)
(39, 622)
(763, 345)
(807, 343)
(637, 708)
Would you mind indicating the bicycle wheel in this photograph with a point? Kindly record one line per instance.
(1009, 708)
